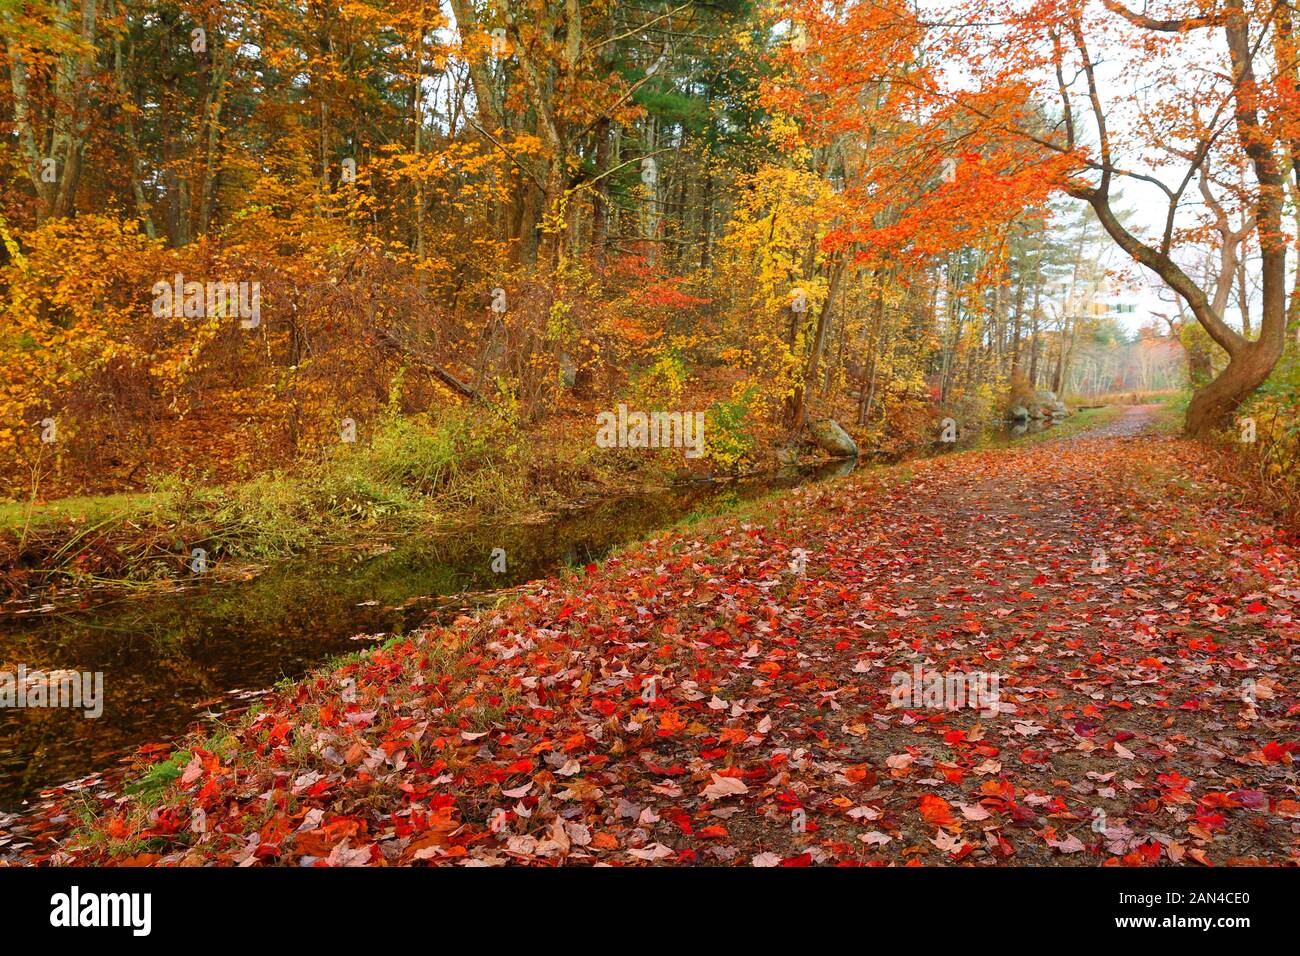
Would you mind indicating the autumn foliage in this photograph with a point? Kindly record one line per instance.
(380, 172)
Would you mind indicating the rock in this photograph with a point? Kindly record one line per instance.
(1047, 398)
(788, 454)
(568, 371)
(1018, 413)
(1038, 414)
(833, 439)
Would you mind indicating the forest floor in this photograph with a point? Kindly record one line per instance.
(725, 693)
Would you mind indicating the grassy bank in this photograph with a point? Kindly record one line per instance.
(412, 473)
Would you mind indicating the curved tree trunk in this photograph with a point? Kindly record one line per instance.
(1213, 404)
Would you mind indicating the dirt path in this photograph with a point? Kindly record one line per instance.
(730, 694)
(1135, 420)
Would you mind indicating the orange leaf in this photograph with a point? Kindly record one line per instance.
(936, 810)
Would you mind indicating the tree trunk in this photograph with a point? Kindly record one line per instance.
(824, 321)
(706, 223)
(167, 111)
(1213, 404)
(600, 195)
(65, 139)
(126, 94)
(553, 219)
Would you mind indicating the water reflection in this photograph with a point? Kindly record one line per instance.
(996, 436)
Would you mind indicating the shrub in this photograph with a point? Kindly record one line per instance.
(728, 439)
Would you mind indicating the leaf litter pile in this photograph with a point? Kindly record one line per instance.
(707, 699)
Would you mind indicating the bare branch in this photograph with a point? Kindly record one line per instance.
(1179, 25)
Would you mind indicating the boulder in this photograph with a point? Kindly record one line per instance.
(1047, 398)
(1018, 413)
(568, 371)
(833, 439)
(1038, 414)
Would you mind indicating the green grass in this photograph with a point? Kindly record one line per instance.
(415, 472)
(150, 786)
(1130, 397)
(90, 509)
(1173, 412)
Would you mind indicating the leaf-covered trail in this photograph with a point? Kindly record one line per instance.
(722, 694)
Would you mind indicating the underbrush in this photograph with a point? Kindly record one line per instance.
(412, 471)
(1262, 448)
